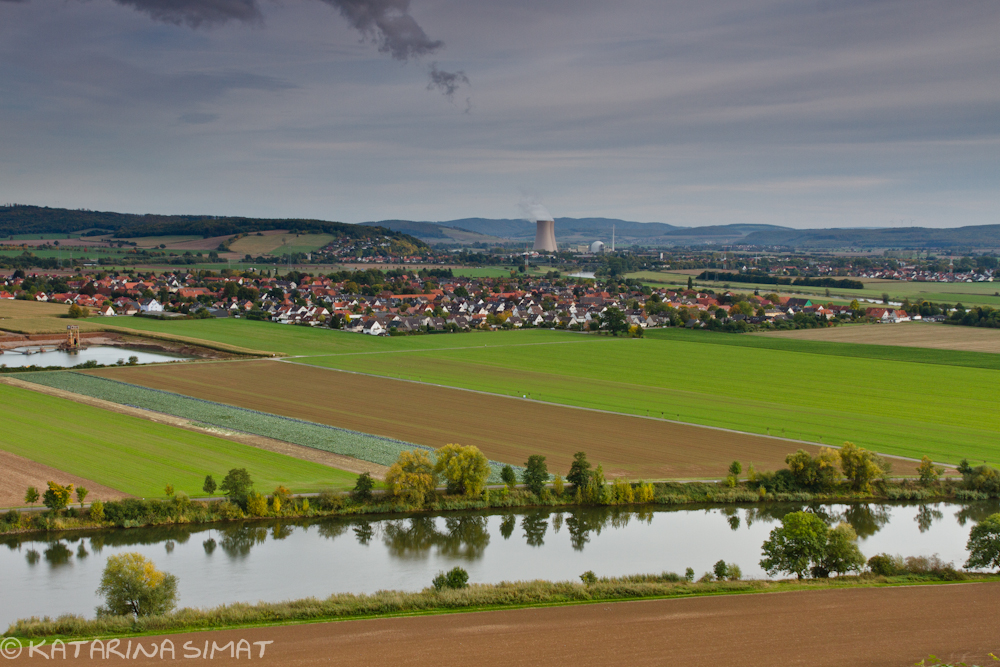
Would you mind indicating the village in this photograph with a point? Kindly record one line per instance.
(408, 303)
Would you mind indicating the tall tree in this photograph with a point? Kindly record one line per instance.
(536, 473)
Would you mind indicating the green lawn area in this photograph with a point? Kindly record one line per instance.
(906, 402)
(141, 457)
(949, 293)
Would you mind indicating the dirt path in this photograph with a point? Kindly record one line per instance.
(280, 446)
(18, 473)
(856, 627)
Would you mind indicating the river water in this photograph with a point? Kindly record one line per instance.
(106, 355)
(283, 560)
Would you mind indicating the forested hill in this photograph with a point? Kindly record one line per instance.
(976, 237)
(43, 220)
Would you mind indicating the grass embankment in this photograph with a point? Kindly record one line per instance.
(481, 597)
(141, 457)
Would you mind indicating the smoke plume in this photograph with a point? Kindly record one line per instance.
(196, 13)
(532, 211)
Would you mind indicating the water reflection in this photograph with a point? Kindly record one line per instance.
(58, 554)
(507, 526)
(926, 516)
(535, 526)
(364, 532)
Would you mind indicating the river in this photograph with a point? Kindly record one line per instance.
(281, 560)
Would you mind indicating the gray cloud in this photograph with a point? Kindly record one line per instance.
(198, 118)
(389, 24)
(446, 82)
(196, 13)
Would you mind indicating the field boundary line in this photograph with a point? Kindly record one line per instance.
(598, 410)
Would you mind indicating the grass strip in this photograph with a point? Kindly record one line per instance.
(477, 597)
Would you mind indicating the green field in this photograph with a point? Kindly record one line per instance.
(908, 403)
(138, 456)
(987, 294)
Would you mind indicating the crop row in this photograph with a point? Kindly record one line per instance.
(363, 446)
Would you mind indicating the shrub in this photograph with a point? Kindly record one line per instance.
(411, 477)
(508, 476)
(721, 570)
(97, 511)
(455, 578)
(557, 486)
(645, 493)
(589, 578)
(257, 504)
(331, 501)
(228, 510)
(929, 473)
(689, 574)
(734, 572)
(622, 492)
(861, 467)
(12, 518)
(464, 469)
(885, 565)
(209, 486)
(362, 491)
(131, 585)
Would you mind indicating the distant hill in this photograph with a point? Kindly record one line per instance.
(43, 220)
(587, 230)
(572, 230)
(979, 237)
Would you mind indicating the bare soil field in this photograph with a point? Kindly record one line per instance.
(872, 627)
(505, 429)
(337, 461)
(19, 473)
(906, 334)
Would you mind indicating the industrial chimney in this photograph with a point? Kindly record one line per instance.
(545, 236)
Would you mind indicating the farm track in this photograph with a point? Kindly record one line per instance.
(870, 627)
(504, 428)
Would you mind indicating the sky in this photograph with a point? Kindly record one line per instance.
(815, 113)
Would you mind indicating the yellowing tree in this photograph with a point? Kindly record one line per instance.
(131, 585)
(464, 468)
(57, 497)
(861, 466)
(411, 477)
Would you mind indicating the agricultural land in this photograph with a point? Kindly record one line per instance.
(506, 429)
(907, 334)
(875, 627)
(136, 456)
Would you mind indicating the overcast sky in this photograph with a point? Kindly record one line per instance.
(808, 114)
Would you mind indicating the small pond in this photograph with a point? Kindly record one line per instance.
(281, 560)
(107, 355)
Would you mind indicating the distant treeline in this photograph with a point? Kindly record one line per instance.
(767, 279)
(43, 220)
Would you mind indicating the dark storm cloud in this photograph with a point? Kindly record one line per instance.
(389, 24)
(196, 13)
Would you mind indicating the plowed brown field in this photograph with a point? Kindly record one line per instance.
(18, 473)
(874, 627)
(505, 429)
(907, 334)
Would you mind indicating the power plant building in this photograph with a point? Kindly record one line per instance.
(545, 236)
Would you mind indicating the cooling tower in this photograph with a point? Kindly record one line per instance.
(545, 236)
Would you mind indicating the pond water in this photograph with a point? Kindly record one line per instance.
(282, 560)
(46, 355)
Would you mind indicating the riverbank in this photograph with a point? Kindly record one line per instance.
(476, 597)
(136, 513)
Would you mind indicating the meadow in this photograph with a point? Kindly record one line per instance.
(280, 244)
(906, 334)
(140, 457)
